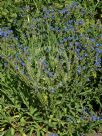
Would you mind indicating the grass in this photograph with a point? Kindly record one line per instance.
(51, 71)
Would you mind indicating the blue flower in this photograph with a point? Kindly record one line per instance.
(77, 43)
(65, 39)
(98, 50)
(58, 29)
(63, 11)
(80, 22)
(97, 44)
(94, 118)
(5, 33)
(53, 134)
(70, 21)
(22, 63)
(81, 35)
(92, 40)
(73, 6)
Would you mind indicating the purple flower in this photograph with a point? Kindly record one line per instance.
(22, 63)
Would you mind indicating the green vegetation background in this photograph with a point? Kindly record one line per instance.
(34, 102)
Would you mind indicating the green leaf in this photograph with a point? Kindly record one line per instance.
(32, 110)
(22, 121)
(10, 132)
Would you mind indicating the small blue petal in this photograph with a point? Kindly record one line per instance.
(94, 118)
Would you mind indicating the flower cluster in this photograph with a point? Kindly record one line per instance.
(65, 24)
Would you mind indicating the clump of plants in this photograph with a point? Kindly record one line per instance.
(51, 60)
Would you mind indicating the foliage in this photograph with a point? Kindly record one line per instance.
(51, 61)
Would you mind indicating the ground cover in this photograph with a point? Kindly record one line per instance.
(51, 69)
